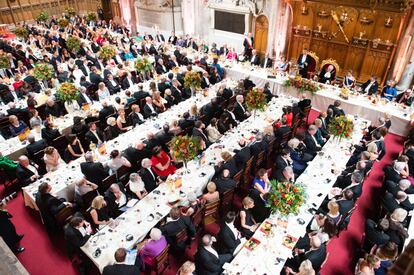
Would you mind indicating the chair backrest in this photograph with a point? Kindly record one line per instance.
(161, 261)
(226, 201)
(106, 183)
(63, 216)
(285, 139)
(211, 212)
(60, 143)
(237, 178)
(181, 236)
(38, 159)
(197, 217)
(122, 174)
(88, 198)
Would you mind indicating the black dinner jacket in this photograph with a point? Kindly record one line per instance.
(316, 257)
(23, 174)
(200, 134)
(49, 134)
(113, 207)
(229, 242)
(94, 172)
(147, 111)
(35, 147)
(391, 174)
(74, 239)
(225, 184)
(372, 90)
(238, 112)
(281, 131)
(170, 229)
(123, 269)
(345, 206)
(150, 181)
(255, 60)
(390, 203)
(206, 262)
(311, 145)
(268, 64)
(308, 60)
(242, 156)
(91, 138)
(374, 235)
(95, 78)
(49, 206)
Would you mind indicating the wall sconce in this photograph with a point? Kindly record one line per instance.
(304, 10)
(365, 20)
(388, 22)
(323, 13)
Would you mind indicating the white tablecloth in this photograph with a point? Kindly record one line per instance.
(318, 181)
(355, 105)
(135, 221)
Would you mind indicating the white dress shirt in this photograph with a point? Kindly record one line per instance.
(97, 136)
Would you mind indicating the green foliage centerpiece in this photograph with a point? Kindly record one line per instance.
(21, 32)
(107, 52)
(285, 198)
(302, 84)
(341, 127)
(143, 65)
(70, 11)
(91, 16)
(73, 43)
(42, 17)
(185, 148)
(256, 100)
(67, 92)
(4, 61)
(43, 71)
(63, 22)
(192, 80)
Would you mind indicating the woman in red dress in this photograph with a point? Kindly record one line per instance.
(161, 162)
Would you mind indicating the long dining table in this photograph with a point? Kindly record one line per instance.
(273, 247)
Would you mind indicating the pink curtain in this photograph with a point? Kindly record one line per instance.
(282, 28)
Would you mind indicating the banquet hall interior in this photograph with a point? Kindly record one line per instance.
(207, 137)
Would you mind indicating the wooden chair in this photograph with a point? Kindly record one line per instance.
(226, 202)
(122, 174)
(63, 216)
(197, 218)
(344, 221)
(211, 212)
(38, 159)
(161, 261)
(181, 237)
(106, 183)
(88, 198)
(60, 143)
(247, 178)
(238, 177)
(284, 141)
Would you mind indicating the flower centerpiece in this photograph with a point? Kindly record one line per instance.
(43, 71)
(63, 22)
(91, 16)
(70, 11)
(4, 61)
(185, 148)
(73, 43)
(256, 100)
(302, 84)
(42, 17)
(107, 52)
(21, 32)
(344, 93)
(143, 65)
(285, 197)
(192, 80)
(67, 92)
(341, 127)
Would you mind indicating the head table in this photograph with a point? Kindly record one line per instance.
(271, 253)
(138, 220)
(356, 103)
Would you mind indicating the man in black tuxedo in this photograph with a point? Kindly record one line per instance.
(229, 236)
(26, 173)
(128, 81)
(283, 129)
(327, 75)
(400, 200)
(53, 109)
(136, 116)
(76, 233)
(149, 108)
(175, 224)
(248, 44)
(260, 210)
(147, 175)
(210, 109)
(106, 111)
(259, 145)
(140, 94)
(243, 155)
(239, 110)
(8, 230)
(198, 131)
(112, 85)
(304, 61)
(267, 62)
(370, 87)
(224, 182)
(255, 58)
(375, 233)
(248, 84)
(94, 77)
(346, 203)
(207, 259)
(17, 111)
(136, 154)
(49, 133)
(34, 146)
(49, 206)
(93, 171)
(94, 134)
(116, 194)
(312, 145)
(336, 108)
(172, 39)
(282, 160)
(403, 185)
(164, 137)
(393, 173)
(186, 121)
(160, 67)
(172, 62)
(119, 267)
(84, 83)
(84, 98)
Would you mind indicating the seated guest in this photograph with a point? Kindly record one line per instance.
(49, 206)
(387, 255)
(106, 111)
(224, 182)
(247, 223)
(117, 161)
(198, 131)
(35, 119)
(208, 261)
(239, 110)
(121, 121)
(99, 212)
(283, 129)
(370, 87)
(261, 182)
(186, 121)
(152, 247)
(396, 230)
(8, 230)
(112, 85)
(82, 187)
(282, 160)
(161, 163)
(94, 134)
(34, 146)
(213, 133)
(327, 75)
(13, 110)
(389, 91)
(136, 116)
(74, 149)
(53, 109)
(158, 102)
(175, 224)
(16, 127)
(286, 175)
(255, 59)
(135, 154)
(375, 233)
(260, 211)
(311, 143)
(267, 62)
(337, 110)
(112, 131)
(403, 185)
(103, 92)
(243, 155)
(368, 265)
(349, 80)
(49, 133)
(148, 175)
(406, 97)
(282, 65)
(149, 108)
(141, 94)
(116, 198)
(296, 155)
(137, 186)
(322, 134)
(213, 194)
(52, 159)
(228, 163)
(400, 199)
(188, 268)
(193, 205)
(393, 173)
(120, 267)
(346, 202)
(93, 171)
(25, 172)
(259, 145)
(76, 233)
(316, 255)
